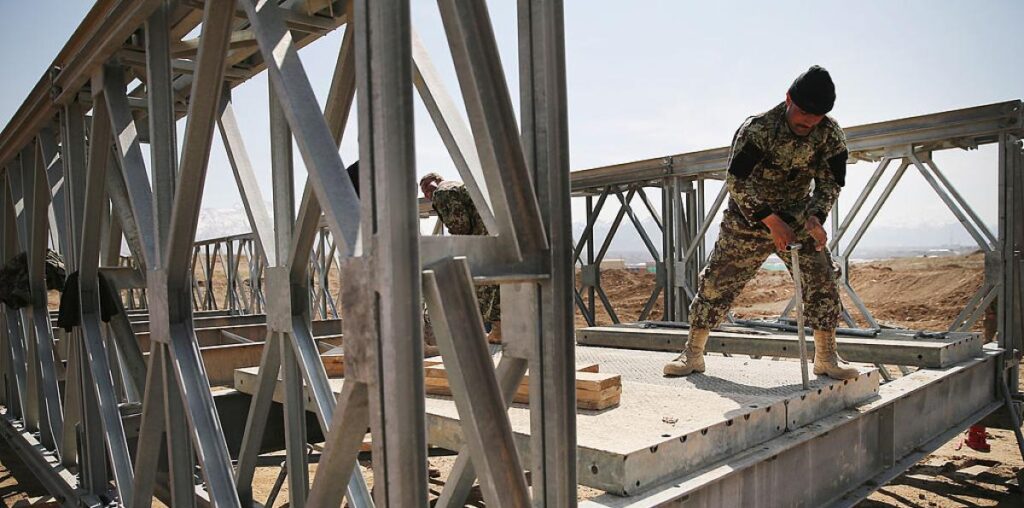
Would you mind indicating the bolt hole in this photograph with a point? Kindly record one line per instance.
(666, 435)
(593, 469)
(703, 432)
(746, 417)
(728, 423)
(682, 439)
(654, 449)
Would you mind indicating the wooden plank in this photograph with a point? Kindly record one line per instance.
(334, 363)
(595, 382)
(594, 390)
(608, 401)
(585, 399)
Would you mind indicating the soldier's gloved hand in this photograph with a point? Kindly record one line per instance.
(817, 232)
(782, 234)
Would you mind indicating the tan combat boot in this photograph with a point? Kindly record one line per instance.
(494, 336)
(826, 358)
(692, 358)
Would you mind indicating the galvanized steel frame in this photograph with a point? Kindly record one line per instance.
(517, 175)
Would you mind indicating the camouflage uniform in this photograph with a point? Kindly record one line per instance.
(455, 208)
(770, 171)
(14, 288)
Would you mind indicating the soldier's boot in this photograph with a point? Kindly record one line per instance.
(429, 339)
(826, 357)
(494, 336)
(692, 358)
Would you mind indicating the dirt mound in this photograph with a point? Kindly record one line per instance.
(926, 292)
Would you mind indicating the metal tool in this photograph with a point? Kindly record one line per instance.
(794, 250)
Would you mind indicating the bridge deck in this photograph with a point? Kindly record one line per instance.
(665, 427)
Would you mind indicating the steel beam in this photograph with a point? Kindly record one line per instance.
(978, 125)
(455, 316)
(489, 105)
(388, 174)
(546, 145)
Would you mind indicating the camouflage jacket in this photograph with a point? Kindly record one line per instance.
(456, 210)
(771, 169)
(14, 286)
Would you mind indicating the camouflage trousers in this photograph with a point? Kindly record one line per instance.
(489, 298)
(739, 252)
(490, 303)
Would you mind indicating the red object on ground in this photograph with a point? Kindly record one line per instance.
(976, 439)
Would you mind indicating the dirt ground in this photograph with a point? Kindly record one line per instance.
(956, 476)
(912, 292)
(919, 293)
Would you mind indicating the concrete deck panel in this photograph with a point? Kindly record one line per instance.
(888, 348)
(666, 427)
(840, 459)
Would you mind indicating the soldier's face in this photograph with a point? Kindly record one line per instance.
(428, 187)
(800, 121)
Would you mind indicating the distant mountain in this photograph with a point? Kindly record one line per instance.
(219, 222)
(880, 240)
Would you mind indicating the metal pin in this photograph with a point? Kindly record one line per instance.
(794, 250)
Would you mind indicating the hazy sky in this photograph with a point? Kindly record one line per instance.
(651, 78)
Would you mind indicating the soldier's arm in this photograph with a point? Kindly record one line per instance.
(748, 150)
(829, 176)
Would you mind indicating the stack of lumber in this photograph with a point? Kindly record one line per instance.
(594, 390)
(334, 363)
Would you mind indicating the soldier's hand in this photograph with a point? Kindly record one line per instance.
(782, 234)
(817, 232)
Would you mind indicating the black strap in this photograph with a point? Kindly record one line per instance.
(69, 314)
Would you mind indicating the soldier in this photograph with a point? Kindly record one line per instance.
(14, 288)
(429, 342)
(459, 215)
(775, 157)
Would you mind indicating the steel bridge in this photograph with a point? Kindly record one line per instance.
(117, 411)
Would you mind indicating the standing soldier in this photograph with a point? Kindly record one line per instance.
(775, 157)
(459, 215)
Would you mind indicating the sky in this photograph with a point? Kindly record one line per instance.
(651, 78)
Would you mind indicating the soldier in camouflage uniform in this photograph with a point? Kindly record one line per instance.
(459, 215)
(14, 288)
(775, 157)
